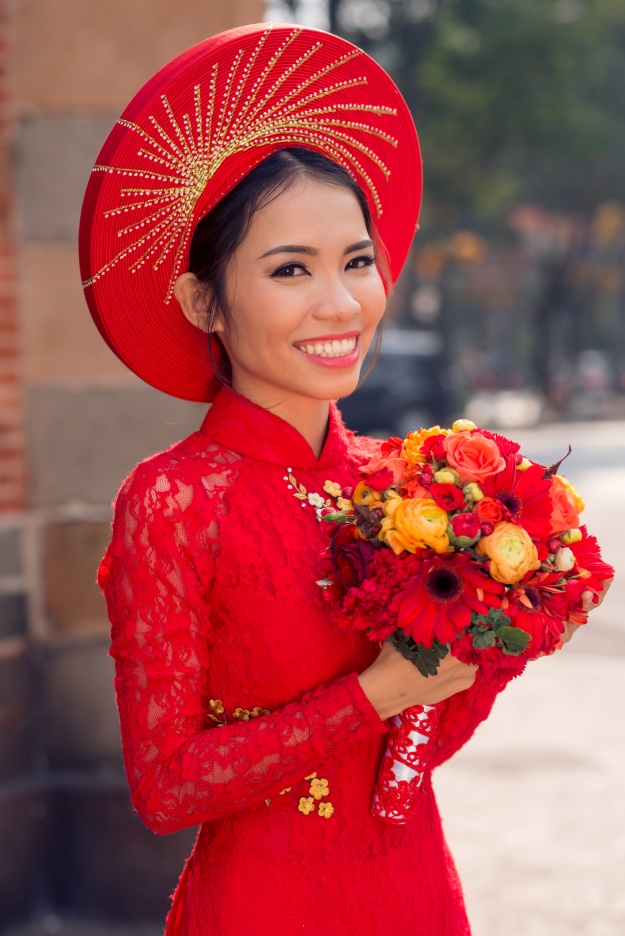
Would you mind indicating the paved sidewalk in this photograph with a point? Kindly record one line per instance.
(533, 807)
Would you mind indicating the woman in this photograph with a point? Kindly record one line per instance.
(259, 281)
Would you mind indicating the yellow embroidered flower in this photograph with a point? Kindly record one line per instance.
(411, 449)
(257, 710)
(333, 489)
(216, 706)
(267, 801)
(310, 776)
(343, 503)
(319, 788)
(282, 792)
(306, 805)
(326, 809)
(241, 713)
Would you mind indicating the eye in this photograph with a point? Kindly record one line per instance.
(360, 263)
(288, 270)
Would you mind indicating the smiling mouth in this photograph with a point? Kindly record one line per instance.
(329, 349)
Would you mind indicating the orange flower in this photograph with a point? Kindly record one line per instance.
(473, 456)
(306, 805)
(488, 510)
(567, 505)
(511, 552)
(364, 495)
(415, 524)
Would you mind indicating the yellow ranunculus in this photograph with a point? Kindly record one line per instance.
(571, 536)
(511, 552)
(411, 449)
(524, 464)
(416, 524)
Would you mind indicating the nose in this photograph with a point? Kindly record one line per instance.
(335, 300)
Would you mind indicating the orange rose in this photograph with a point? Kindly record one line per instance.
(565, 514)
(415, 524)
(511, 552)
(365, 496)
(488, 510)
(473, 456)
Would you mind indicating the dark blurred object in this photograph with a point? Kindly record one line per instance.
(403, 391)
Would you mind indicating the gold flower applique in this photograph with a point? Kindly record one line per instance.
(216, 709)
(282, 792)
(333, 489)
(242, 714)
(311, 775)
(326, 809)
(306, 805)
(319, 787)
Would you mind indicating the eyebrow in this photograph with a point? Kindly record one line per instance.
(311, 251)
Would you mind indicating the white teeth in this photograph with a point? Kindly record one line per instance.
(333, 348)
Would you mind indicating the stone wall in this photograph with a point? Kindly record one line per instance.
(73, 423)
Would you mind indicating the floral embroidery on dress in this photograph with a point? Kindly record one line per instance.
(306, 805)
(326, 809)
(316, 500)
(319, 788)
(239, 714)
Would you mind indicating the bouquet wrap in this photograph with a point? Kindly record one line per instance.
(404, 763)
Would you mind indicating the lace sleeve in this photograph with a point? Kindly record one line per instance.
(156, 577)
(463, 712)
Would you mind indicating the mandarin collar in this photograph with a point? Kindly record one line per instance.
(245, 427)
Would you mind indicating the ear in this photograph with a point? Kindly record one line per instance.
(186, 290)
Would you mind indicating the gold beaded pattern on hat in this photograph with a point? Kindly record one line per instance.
(186, 154)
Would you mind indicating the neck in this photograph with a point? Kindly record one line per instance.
(310, 417)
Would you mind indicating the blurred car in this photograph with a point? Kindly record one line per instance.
(403, 392)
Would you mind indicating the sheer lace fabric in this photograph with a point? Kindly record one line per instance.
(239, 703)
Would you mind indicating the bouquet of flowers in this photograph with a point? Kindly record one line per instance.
(455, 542)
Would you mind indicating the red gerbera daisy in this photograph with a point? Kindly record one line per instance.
(540, 607)
(589, 574)
(524, 497)
(439, 600)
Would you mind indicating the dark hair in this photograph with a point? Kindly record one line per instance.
(219, 234)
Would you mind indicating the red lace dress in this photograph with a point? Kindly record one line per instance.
(239, 702)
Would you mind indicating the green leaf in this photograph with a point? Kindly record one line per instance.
(426, 659)
(484, 640)
(514, 639)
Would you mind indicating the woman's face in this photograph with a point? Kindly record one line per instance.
(305, 296)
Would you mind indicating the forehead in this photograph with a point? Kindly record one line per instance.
(309, 206)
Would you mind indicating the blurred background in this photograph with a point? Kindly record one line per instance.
(511, 311)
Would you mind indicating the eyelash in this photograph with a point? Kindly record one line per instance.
(369, 261)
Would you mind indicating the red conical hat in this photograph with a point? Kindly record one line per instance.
(185, 140)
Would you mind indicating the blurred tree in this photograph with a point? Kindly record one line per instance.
(516, 101)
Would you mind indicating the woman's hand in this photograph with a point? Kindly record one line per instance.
(393, 683)
(570, 627)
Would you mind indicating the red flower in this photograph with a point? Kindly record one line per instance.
(438, 601)
(465, 524)
(351, 557)
(433, 447)
(447, 496)
(380, 480)
(392, 446)
(592, 572)
(524, 496)
(505, 446)
(540, 606)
